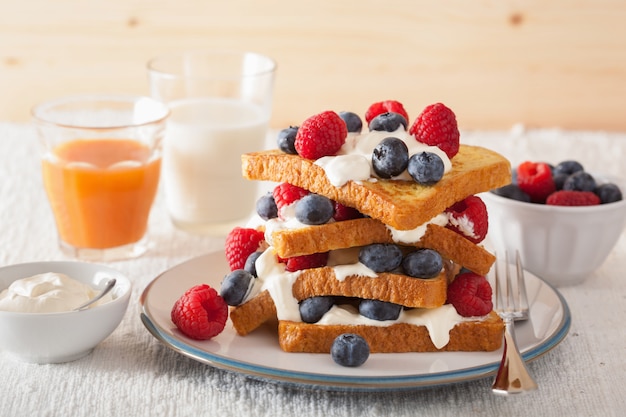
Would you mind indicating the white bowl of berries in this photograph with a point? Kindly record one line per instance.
(563, 220)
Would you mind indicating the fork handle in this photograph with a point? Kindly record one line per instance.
(512, 376)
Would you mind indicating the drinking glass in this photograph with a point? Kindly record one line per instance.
(220, 106)
(101, 167)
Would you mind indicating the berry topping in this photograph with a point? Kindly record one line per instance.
(469, 218)
(387, 106)
(285, 194)
(266, 207)
(573, 198)
(286, 140)
(437, 126)
(390, 157)
(568, 168)
(423, 263)
(314, 209)
(315, 260)
(381, 257)
(250, 264)
(608, 193)
(200, 313)
(312, 309)
(350, 349)
(426, 168)
(580, 181)
(388, 122)
(321, 135)
(513, 192)
(470, 294)
(353, 121)
(379, 310)
(240, 243)
(345, 213)
(236, 286)
(535, 179)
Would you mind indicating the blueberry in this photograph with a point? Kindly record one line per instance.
(608, 193)
(426, 168)
(250, 264)
(423, 263)
(580, 181)
(390, 157)
(314, 209)
(286, 140)
(379, 310)
(559, 180)
(513, 192)
(312, 309)
(353, 121)
(266, 207)
(387, 122)
(381, 257)
(567, 167)
(236, 286)
(350, 349)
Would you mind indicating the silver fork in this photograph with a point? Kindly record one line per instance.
(512, 376)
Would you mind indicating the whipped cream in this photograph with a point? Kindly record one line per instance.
(273, 277)
(464, 224)
(354, 159)
(47, 293)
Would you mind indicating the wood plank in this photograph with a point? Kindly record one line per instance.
(496, 63)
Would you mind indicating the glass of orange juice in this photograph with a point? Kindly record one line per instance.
(101, 167)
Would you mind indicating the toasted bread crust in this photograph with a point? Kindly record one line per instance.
(365, 231)
(480, 335)
(253, 313)
(403, 205)
(393, 288)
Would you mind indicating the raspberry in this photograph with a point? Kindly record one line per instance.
(469, 218)
(470, 294)
(573, 198)
(315, 260)
(535, 179)
(437, 126)
(200, 313)
(321, 135)
(345, 213)
(286, 194)
(240, 243)
(387, 106)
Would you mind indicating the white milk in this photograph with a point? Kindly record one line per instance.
(201, 168)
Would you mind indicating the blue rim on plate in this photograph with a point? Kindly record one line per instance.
(231, 352)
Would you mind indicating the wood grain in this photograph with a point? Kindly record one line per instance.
(496, 63)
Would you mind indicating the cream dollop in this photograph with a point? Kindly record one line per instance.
(354, 159)
(47, 293)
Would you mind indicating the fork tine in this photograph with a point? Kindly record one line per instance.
(521, 282)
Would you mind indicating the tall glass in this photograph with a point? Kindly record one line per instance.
(101, 167)
(220, 106)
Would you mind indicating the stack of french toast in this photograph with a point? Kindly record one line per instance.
(339, 247)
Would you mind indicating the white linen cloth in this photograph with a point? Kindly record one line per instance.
(132, 374)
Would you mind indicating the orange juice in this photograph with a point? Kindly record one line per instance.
(101, 190)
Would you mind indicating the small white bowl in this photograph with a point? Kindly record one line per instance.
(64, 336)
(563, 245)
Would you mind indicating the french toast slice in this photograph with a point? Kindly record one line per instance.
(403, 205)
(365, 231)
(471, 335)
(394, 288)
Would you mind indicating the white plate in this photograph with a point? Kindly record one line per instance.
(258, 354)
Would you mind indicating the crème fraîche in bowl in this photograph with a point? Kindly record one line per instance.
(38, 323)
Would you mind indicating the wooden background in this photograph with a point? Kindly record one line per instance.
(550, 63)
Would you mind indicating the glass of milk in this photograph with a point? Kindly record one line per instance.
(220, 105)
